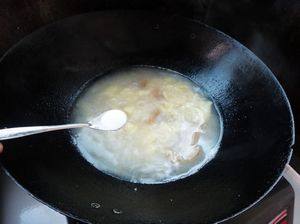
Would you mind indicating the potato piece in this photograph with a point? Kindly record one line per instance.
(173, 156)
(195, 138)
(196, 152)
(157, 93)
(143, 83)
(153, 116)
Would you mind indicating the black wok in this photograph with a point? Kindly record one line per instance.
(40, 78)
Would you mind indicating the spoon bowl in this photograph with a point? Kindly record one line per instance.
(110, 120)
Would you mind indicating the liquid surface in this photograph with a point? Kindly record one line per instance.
(172, 129)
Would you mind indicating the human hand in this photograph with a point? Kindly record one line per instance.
(1, 148)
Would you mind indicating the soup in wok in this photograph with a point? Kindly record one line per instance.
(173, 128)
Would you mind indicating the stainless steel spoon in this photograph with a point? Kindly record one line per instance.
(110, 120)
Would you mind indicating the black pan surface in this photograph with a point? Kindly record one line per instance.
(41, 76)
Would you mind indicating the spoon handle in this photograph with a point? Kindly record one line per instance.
(9, 133)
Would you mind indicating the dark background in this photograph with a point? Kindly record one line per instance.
(269, 28)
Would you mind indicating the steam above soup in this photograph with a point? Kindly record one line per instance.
(172, 129)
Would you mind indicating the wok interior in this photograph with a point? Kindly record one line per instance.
(42, 76)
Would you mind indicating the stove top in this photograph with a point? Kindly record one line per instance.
(18, 207)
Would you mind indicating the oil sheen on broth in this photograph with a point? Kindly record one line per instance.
(172, 129)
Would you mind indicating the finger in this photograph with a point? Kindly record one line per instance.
(1, 148)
